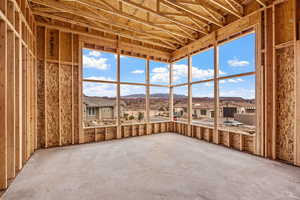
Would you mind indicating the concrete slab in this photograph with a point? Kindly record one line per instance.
(163, 166)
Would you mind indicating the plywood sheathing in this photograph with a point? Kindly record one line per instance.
(285, 97)
(52, 105)
(238, 141)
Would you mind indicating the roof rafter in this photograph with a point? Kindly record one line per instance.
(229, 10)
(159, 14)
(131, 17)
(102, 28)
(62, 7)
(173, 4)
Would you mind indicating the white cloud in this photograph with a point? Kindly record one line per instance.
(102, 78)
(235, 62)
(160, 74)
(160, 70)
(137, 71)
(99, 89)
(239, 92)
(222, 81)
(97, 63)
(181, 71)
(208, 84)
(132, 89)
(94, 53)
(120, 56)
(236, 80)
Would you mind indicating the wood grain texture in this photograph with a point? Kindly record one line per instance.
(41, 103)
(66, 104)
(285, 104)
(52, 96)
(76, 107)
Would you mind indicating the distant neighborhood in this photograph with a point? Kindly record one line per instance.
(235, 112)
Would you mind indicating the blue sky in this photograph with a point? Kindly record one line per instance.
(237, 56)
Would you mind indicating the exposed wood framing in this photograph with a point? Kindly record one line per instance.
(216, 94)
(18, 121)
(190, 97)
(41, 73)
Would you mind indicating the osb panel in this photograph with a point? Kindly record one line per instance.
(142, 129)
(100, 134)
(52, 105)
(65, 47)
(206, 135)
(75, 48)
(150, 128)
(52, 43)
(111, 133)
(41, 104)
(135, 130)
(163, 127)
(248, 144)
(89, 135)
(284, 26)
(156, 128)
(127, 131)
(235, 140)
(41, 42)
(285, 106)
(66, 104)
(198, 132)
(76, 106)
(224, 139)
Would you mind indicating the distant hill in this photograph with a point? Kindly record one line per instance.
(156, 95)
(165, 95)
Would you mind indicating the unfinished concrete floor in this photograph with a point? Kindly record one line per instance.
(163, 166)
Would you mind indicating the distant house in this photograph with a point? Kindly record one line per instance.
(99, 108)
(203, 110)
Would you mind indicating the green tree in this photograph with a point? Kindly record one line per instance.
(140, 116)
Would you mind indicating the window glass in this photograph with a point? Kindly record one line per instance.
(237, 56)
(133, 70)
(203, 65)
(99, 65)
(180, 71)
(237, 104)
(99, 104)
(159, 104)
(133, 105)
(159, 73)
(203, 104)
(180, 100)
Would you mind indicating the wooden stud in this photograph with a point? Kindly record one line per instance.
(3, 101)
(171, 91)
(216, 137)
(11, 139)
(190, 97)
(147, 94)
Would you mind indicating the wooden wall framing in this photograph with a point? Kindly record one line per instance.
(40, 78)
(17, 88)
(270, 44)
(59, 78)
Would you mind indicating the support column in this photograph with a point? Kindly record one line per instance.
(171, 89)
(147, 95)
(80, 132)
(119, 133)
(190, 97)
(216, 138)
(3, 104)
(11, 139)
(270, 85)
